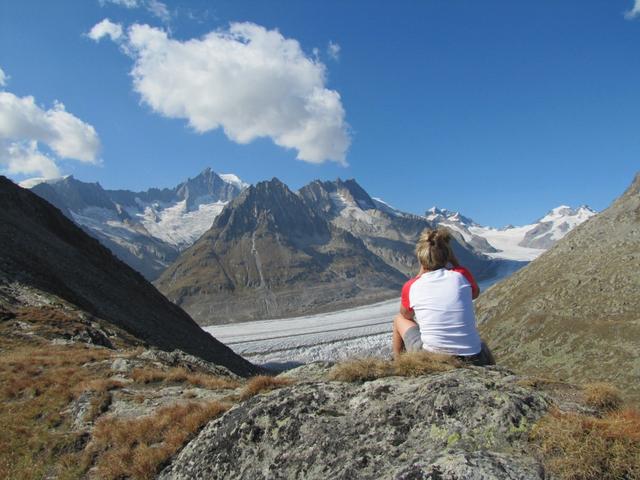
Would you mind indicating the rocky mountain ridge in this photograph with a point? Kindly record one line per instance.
(269, 254)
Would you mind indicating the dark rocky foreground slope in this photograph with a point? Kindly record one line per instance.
(269, 255)
(46, 254)
(575, 311)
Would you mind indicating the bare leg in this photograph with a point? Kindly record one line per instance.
(400, 326)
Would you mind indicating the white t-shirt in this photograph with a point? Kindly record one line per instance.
(443, 306)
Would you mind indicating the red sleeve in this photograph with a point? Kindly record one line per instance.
(404, 297)
(475, 290)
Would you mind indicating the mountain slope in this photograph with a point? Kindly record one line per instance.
(44, 251)
(269, 255)
(575, 311)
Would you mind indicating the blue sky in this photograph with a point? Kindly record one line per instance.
(499, 109)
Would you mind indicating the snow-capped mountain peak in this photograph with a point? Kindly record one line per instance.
(442, 215)
(233, 180)
(564, 212)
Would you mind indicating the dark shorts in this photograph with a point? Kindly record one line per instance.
(413, 343)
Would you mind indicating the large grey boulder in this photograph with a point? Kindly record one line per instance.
(468, 423)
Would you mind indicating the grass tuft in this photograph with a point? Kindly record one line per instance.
(406, 365)
(603, 396)
(581, 447)
(262, 383)
(423, 363)
(360, 370)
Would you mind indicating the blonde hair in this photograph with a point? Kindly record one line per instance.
(433, 249)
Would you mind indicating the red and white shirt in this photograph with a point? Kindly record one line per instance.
(443, 306)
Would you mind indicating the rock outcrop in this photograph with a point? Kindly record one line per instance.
(469, 423)
(574, 313)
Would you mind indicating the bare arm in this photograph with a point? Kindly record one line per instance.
(407, 313)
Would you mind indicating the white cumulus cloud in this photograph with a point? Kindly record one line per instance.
(24, 126)
(635, 10)
(25, 158)
(247, 80)
(106, 28)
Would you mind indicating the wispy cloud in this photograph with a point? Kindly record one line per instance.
(333, 50)
(3, 78)
(247, 80)
(634, 12)
(155, 7)
(24, 126)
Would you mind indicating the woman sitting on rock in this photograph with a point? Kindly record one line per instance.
(436, 308)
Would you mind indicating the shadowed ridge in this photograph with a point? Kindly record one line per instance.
(41, 248)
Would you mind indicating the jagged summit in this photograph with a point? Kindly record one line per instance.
(270, 205)
(208, 186)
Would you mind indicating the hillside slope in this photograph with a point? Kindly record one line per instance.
(45, 252)
(575, 311)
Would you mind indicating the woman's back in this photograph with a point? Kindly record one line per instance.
(442, 303)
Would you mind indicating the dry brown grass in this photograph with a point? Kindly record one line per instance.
(37, 382)
(360, 370)
(582, 447)
(422, 363)
(181, 375)
(139, 448)
(262, 383)
(406, 365)
(603, 396)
